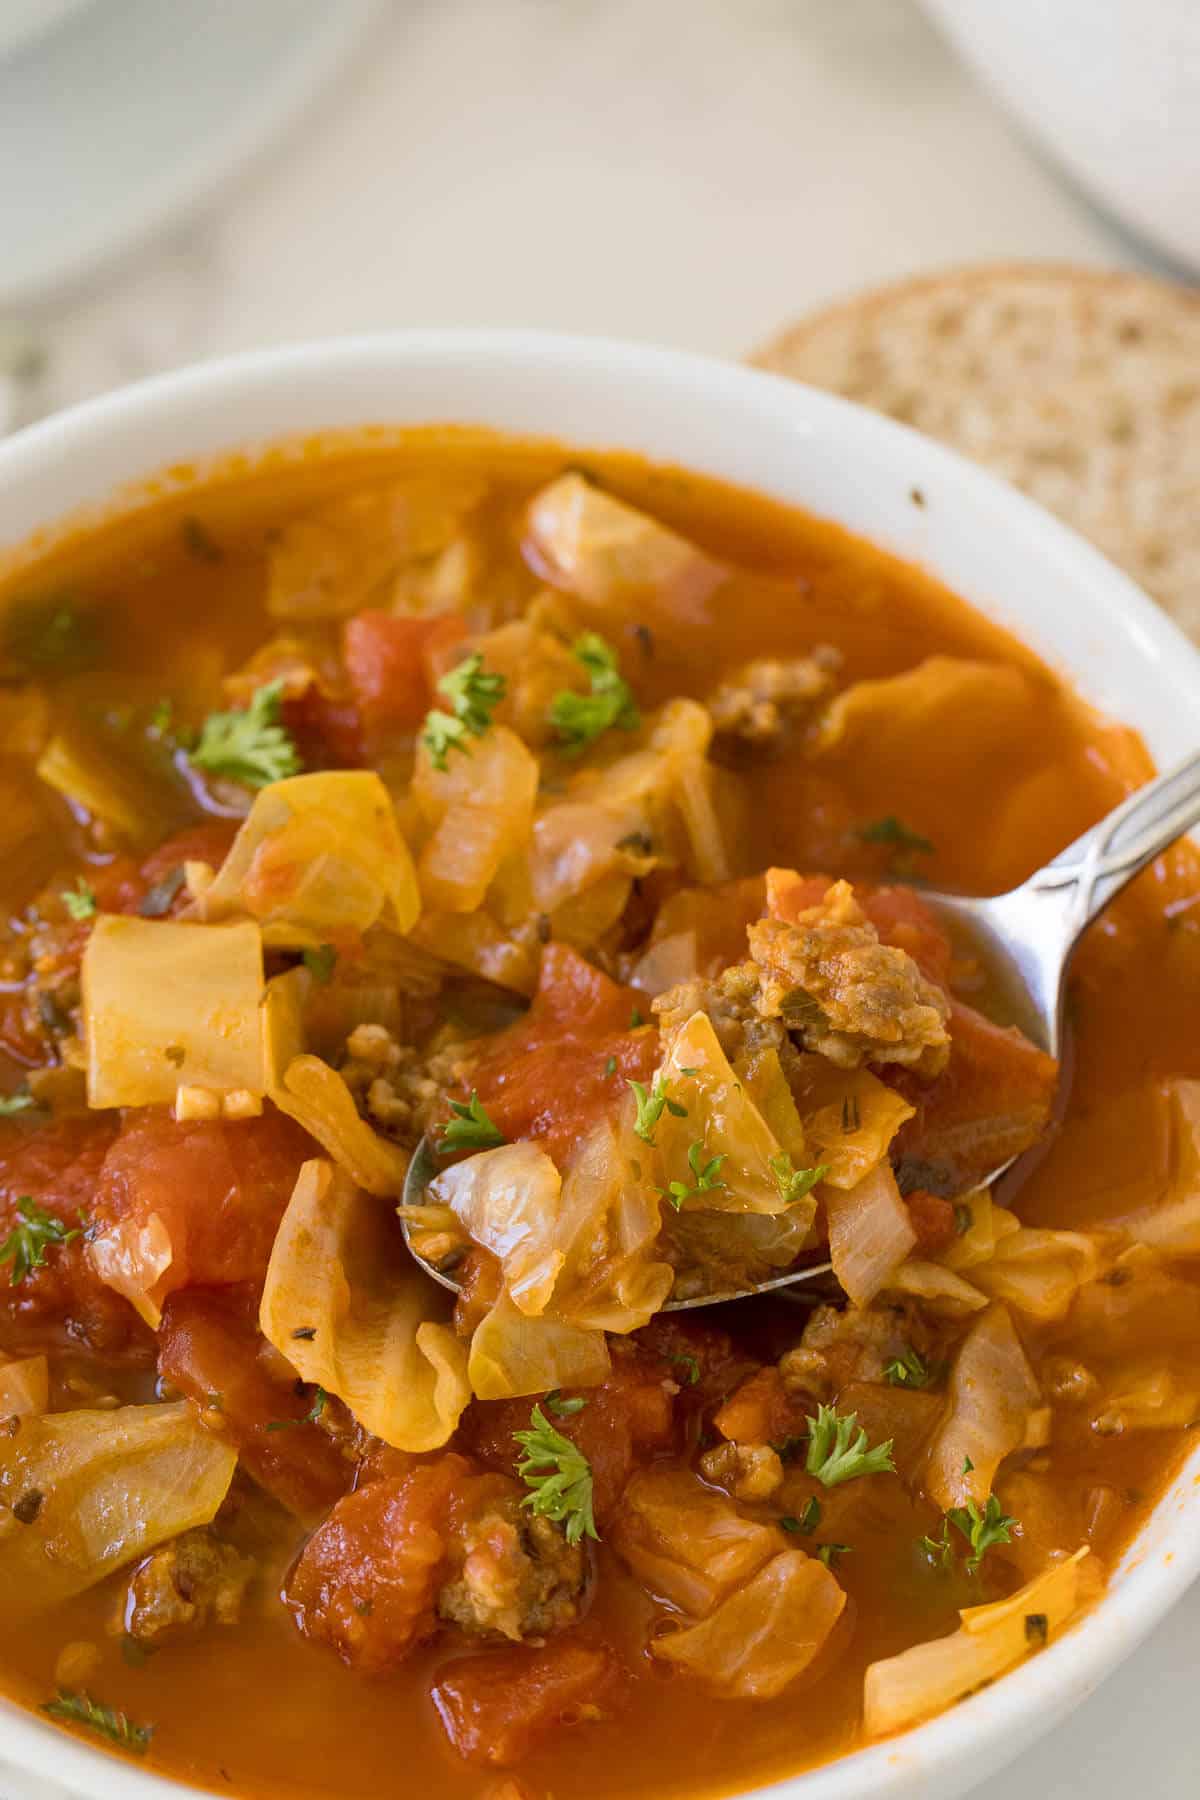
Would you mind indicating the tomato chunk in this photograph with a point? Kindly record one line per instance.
(210, 1349)
(390, 663)
(932, 1219)
(58, 1165)
(219, 1188)
(562, 1067)
(497, 1706)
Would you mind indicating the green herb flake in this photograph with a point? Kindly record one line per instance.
(983, 1529)
(35, 1232)
(320, 963)
(11, 1104)
(610, 1067)
(580, 719)
(75, 1707)
(320, 1398)
(829, 1553)
(793, 1183)
(474, 694)
(563, 1409)
(80, 901)
(470, 1128)
(837, 1452)
(706, 1177)
(964, 1219)
(896, 834)
(54, 636)
(690, 1367)
(652, 1105)
(636, 1019)
(249, 747)
(909, 1370)
(558, 1476)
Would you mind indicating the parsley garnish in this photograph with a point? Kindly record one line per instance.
(52, 635)
(562, 1409)
(610, 1067)
(470, 1128)
(651, 1106)
(982, 1529)
(78, 1708)
(474, 694)
(80, 901)
(690, 1367)
(559, 1477)
(580, 719)
(792, 1183)
(837, 1454)
(320, 963)
(636, 1020)
(893, 831)
(310, 1418)
(250, 747)
(964, 1218)
(939, 1550)
(26, 1244)
(707, 1176)
(909, 1369)
(808, 1521)
(829, 1553)
(15, 1103)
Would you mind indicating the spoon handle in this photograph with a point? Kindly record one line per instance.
(1090, 871)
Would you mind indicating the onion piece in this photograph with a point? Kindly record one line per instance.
(992, 1392)
(317, 1097)
(870, 1233)
(480, 809)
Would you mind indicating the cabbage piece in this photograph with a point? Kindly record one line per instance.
(870, 1233)
(1038, 1272)
(93, 770)
(719, 1113)
(131, 1256)
(937, 1287)
(318, 857)
(113, 1485)
(1173, 1225)
(614, 558)
(508, 1201)
(850, 1118)
(169, 1005)
(480, 809)
(339, 1269)
(687, 1543)
(1150, 1398)
(317, 1097)
(476, 942)
(24, 1387)
(764, 1634)
(992, 1392)
(988, 1225)
(536, 666)
(512, 1355)
(578, 844)
(768, 1087)
(904, 1689)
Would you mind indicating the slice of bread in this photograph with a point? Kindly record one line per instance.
(1081, 387)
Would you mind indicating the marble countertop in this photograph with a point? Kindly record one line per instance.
(695, 172)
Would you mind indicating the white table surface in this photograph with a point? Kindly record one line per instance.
(695, 172)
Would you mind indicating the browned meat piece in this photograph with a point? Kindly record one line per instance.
(760, 701)
(173, 1593)
(396, 1088)
(840, 1346)
(844, 994)
(520, 1578)
(731, 1002)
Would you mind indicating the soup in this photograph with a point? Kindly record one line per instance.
(463, 912)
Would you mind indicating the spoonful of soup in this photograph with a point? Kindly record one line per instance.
(829, 1094)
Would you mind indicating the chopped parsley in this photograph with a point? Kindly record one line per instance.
(896, 834)
(982, 1529)
(837, 1453)
(75, 1707)
(563, 1409)
(792, 1183)
(610, 1067)
(636, 1020)
(314, 1412)
(470, 1128)
(690, 1367)
(15, 1103)
(964, 1219)
(580, 719)
(320, 963)
(80, 901)
(829, 1553)
(909, 1369)
(558, 1476)
(707, 1176)
(26, 1245)
(808, 1521)
(249, 747)
(652, 1105)
(51, 636)
(474, 694)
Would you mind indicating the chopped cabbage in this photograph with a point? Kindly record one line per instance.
(992, 1393)
(613, 557)
(24, 1387)
(1150, 1398)
(113, 1484)
(850, 1118)
(687, 1543)
(319, 856)
(511, 1354)
(1173, 1224)
(341, 1278)
(937, 1287)
(901, 1690)
(169, 1005)
(1038, 1272)
(131, 1256)
(317, 1097)
(480, 811)
(988, 1225)
(870, 1233)
(765, 1634)
(474, 941)
(508, 1201)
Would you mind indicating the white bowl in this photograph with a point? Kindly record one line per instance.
(1013, 561)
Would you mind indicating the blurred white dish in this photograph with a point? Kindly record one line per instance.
(135, 111)
(1111, 89)
(21, 21)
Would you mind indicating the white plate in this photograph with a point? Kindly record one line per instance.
(133, 112)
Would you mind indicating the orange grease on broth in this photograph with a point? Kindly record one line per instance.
(257, 1711)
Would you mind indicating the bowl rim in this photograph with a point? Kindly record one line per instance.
(72, 450)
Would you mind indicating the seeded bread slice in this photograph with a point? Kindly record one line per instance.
(1079, 386)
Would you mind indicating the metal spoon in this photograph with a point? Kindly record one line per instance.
(1026, 937)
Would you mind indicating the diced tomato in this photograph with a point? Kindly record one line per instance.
(761, 1411)
(390, 663)
(58, 1166)
(993, 1101)
(626, 1420)
(219, 1188)
(480, 1281)
(367, 1579)
(327, 730)
(497, 1706)
(562, 1067)
(704, 1360)
(209, 1348)
(932, 1218)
